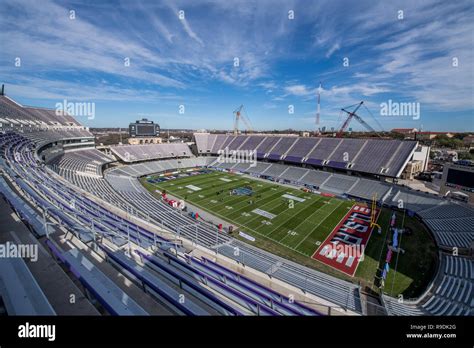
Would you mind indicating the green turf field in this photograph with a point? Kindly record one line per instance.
(296, 229)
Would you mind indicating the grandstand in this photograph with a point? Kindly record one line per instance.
(114, 231)
(81, 162)
(136, 153)
(451, 294)
(125, 239)
(15, 115)
(386, 158)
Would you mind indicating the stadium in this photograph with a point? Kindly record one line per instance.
(297, 232)
(225, 172)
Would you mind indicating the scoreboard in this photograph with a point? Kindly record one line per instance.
(460, 179)
(144, 128)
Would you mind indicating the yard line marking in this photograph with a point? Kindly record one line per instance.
(317, 211)
(255, 218)
(210, 192)
(282, 188)
(238, 202)
(271, 202)
(246, 206)
(223, 186)
(319, 224)
(273, 230)
(248, 228)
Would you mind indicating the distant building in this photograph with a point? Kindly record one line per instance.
(468, 141)
(445, 155)
(431, 135)
(418, 163)
(412, 169)
(405, 131)
(144, 140)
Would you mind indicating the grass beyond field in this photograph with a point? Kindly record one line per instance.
(292, 231)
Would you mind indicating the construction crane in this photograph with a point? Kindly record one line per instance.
(351, 115)
(239, 114)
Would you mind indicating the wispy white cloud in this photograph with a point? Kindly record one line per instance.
(299, 90)
(333, 49)
(190, 32)
(54, 90)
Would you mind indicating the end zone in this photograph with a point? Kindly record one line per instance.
(344, 248)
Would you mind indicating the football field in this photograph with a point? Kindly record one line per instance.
(294, 224)
(292, 218)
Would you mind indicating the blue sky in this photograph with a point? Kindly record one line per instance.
(190, 61)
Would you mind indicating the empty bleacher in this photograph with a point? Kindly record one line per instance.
(293, 174)
(46, 136)
(394, 307)
(374, 156)
(339, 183)
(14, 116)
(346, 152)
(450, 296)
(236, 142)
(114, 299)
(452, 239)
(19, 290)
(299, 150)
(266, 145)
(260, 293)
(162, 290)
(464, 224)
(135, 153)
(415, 201)
(316, 177)
(275, 170)
(367, 188)
(281, 147)
(322, 151)
(452, 223)
(51, 116)
(447, 210)
(218, 142)
(458, 266)
(242, 167)
(452, 292)
(252, 143)
(260, 168)
(87, 162)
(202, 141)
